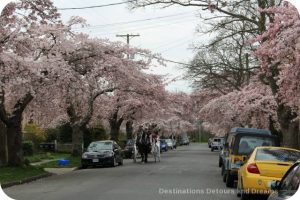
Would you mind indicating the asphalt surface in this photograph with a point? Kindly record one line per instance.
(189, 172)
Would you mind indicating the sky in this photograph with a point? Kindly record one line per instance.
(170, 31)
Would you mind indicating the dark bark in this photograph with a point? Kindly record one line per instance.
(129, 129)
(3, 145)
(14, 142)
(77, 140)
(115, 125)
(13, 124)
(289, 125)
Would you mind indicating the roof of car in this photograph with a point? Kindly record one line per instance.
(272, 147)
(250, 130)
(104, 141)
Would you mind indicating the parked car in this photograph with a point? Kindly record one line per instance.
(174, 143)
(217, 144)
(288, 185)
(102, 153)
(209, 142)
(169, 143)
(221, 155)
(129, 148)
(163, 145)
(264, 165)
(239, 145)
(184, 141)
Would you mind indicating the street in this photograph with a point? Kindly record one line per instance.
(189, 172)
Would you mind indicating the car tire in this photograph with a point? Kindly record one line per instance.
(224, 176)
(229, 180)
(114, 163)
(244, 195)
(220, 162)
(211, 149)
(83, 166)
(121, 162)
(222, 170)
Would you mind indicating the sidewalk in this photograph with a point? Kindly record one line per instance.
(42, 162)
(60, 171)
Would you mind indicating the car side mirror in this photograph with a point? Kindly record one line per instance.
(275, 185)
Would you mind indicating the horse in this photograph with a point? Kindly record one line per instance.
(144, 146)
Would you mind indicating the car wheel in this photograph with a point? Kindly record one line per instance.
(114, 163)
(238, 190)
(220, 162)
(224, 176)
(229, 180)
(211, 149)
(222, 170)
(121, 162)
(83, 166)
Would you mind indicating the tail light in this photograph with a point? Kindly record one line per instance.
(252, 168)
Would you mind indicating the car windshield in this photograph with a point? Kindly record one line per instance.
(98, 146)
(248, 143)
(273, 154)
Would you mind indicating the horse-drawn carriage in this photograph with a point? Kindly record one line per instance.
(142, 152)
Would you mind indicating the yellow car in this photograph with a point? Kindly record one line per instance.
(265, 164)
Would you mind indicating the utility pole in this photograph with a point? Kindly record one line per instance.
(128, 37)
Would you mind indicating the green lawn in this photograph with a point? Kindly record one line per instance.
(74, 162)
(11, 174)
(46, 156)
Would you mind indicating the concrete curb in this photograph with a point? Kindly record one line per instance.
(27, 180)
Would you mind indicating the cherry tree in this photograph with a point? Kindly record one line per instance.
(253, 106)
(28, 63)
(279, 58)
(133, 103)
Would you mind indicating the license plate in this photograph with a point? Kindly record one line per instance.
(95, 160)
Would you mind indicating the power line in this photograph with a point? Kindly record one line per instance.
(144, 27)
(134, 21)
(98, 6)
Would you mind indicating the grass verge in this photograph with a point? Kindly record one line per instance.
(45, 156)
(74, 162)
(19, 174)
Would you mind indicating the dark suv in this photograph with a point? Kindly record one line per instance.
(239, 145)
(129, 148)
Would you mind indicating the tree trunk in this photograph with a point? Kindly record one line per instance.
(115, 129)
(289, 126)
(129, 129)
(3, 145)
(77, 140)
(14, 142)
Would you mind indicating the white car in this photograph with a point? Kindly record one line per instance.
(170, 143)
(217, 144)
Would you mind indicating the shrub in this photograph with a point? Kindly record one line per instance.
(35, 134)
(27, 147)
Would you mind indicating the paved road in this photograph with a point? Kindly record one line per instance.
(189, 169)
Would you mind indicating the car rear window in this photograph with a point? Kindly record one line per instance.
(284, 155)
(217, 140)
(248, 143)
